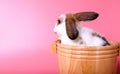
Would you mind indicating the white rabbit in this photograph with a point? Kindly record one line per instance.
(70, 31)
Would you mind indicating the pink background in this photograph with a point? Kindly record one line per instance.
(26, 31)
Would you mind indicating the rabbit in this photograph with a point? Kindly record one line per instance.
(71, 32)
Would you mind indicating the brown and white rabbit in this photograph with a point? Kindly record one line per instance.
(70, 31)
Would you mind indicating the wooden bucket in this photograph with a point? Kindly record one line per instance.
(86, 60)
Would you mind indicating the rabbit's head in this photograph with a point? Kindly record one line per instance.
(67, 23)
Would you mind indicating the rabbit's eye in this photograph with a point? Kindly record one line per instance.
(59, 21)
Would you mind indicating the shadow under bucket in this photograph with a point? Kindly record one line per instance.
(86, 60)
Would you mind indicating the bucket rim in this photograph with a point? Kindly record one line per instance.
(113, 45)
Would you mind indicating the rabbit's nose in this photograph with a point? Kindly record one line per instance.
(55, 32)
(54, 29)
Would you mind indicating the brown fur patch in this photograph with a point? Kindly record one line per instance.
(71, 29)
(95, 34)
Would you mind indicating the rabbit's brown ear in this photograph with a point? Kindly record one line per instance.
(86, 16)
(71, 29)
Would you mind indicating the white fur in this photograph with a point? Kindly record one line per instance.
(84, 33)
(90, 40)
